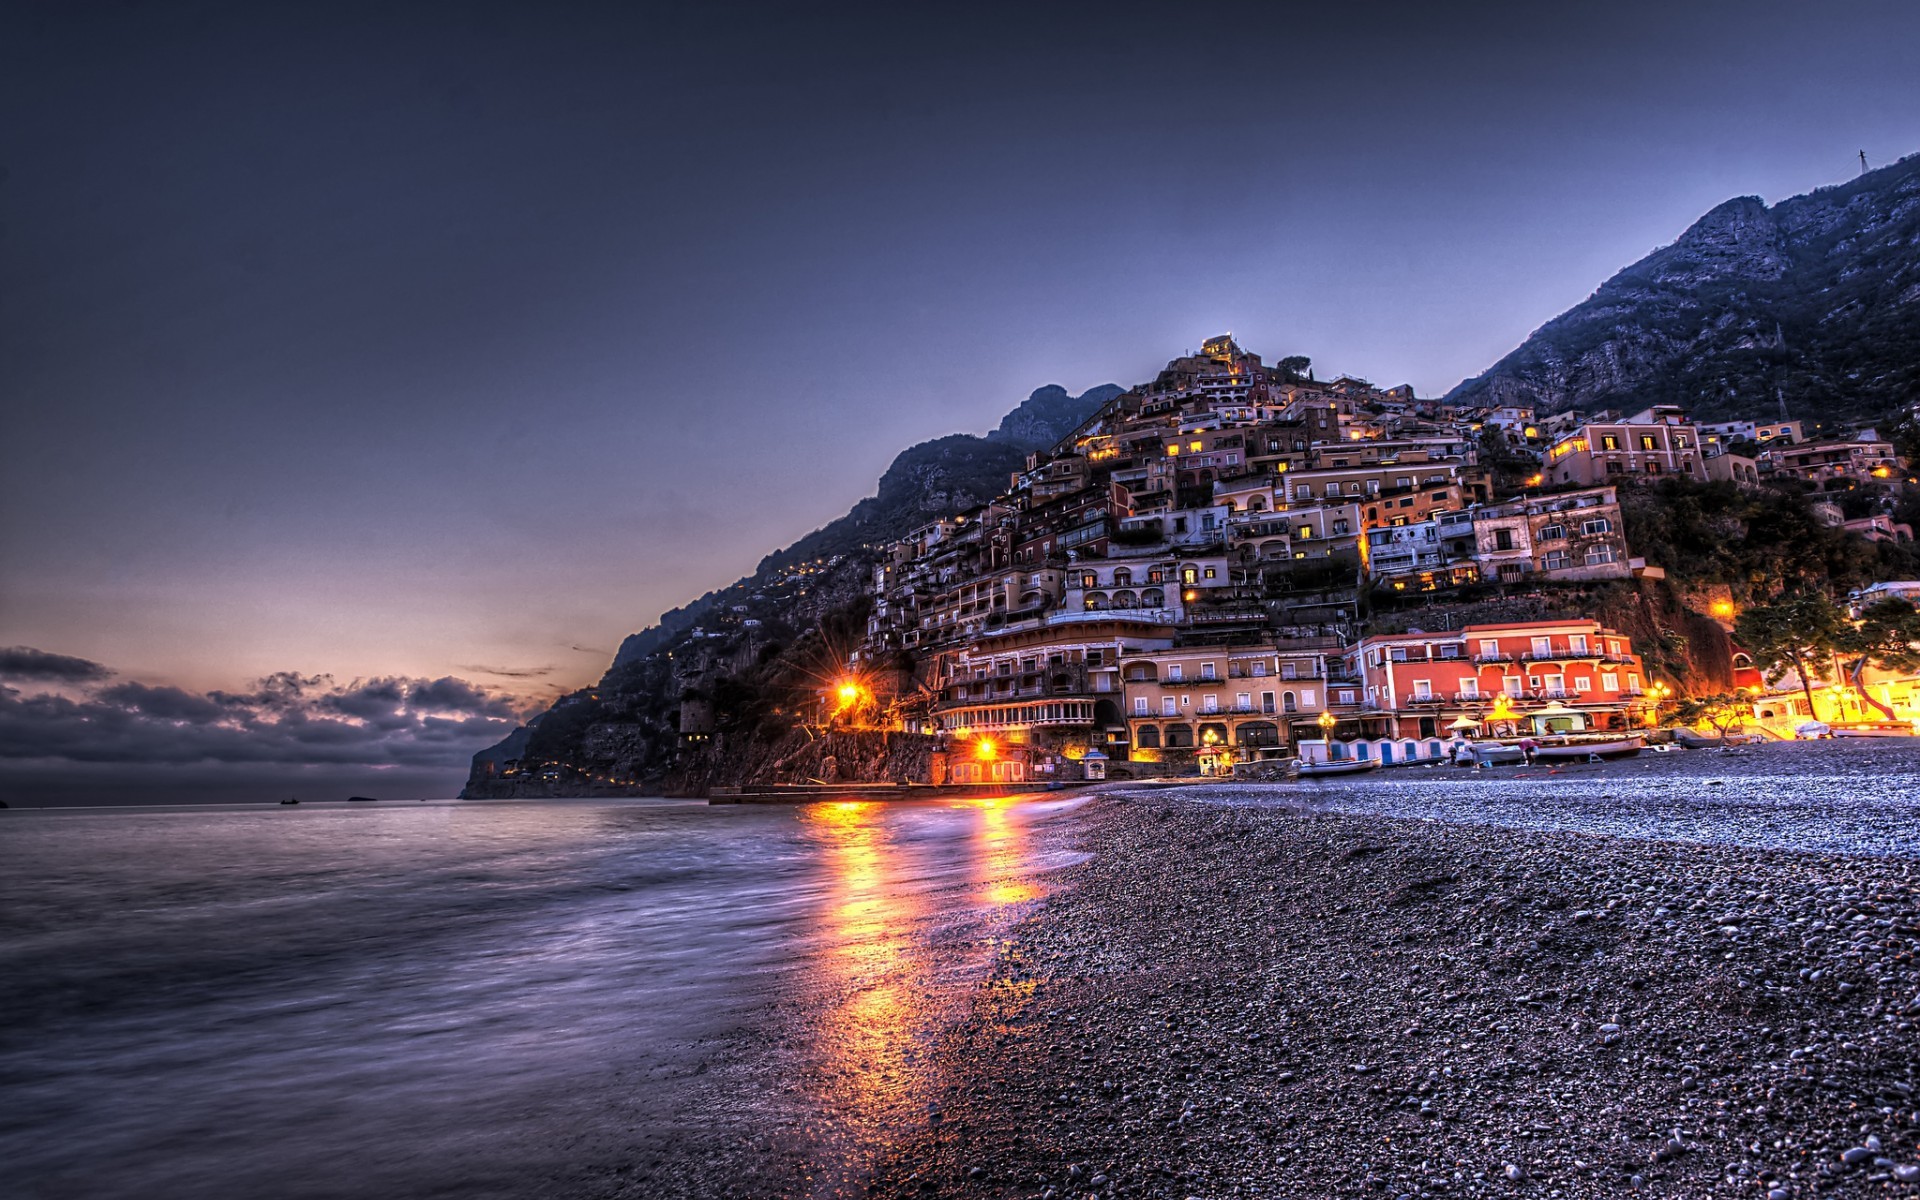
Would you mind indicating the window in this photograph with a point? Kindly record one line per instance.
(1503, 539)
(1339, 527)
(1553, 533)
(1174, 671)
(1489, 648)
(1449, 650)
(1647, 442)
(1346, 696)
(1610, 682)
(1469, 688)
(1304, 533)
(1682, 442)
(1515, 685)
(1542, 647)
(1139, 706)
(1423, 689)
(1169, 706)
(1207, 671)
(1306, 697)
(1555, 560)
(1597, 525)
(1288, 669)
(1609, 441)
(1150, 737)
(1189, 575)
(1333, 489)
(1598, 555)
(1582, 683)
(1576, 643)
(1259, 667)
(1243, 701)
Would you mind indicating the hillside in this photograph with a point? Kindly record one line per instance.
(1815, 300)
(768, 624)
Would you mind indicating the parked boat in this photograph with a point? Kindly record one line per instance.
(1495, 754)
(1872, 731)
(1338, 766)
(1582, 751)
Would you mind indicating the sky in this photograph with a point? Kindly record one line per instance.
(397, 350)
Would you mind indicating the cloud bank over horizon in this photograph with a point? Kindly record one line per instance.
(59, 711)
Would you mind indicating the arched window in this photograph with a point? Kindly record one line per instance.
(1096, 601)
(1149, 737)
(1287, 702)
(1153, 598)
(1180, 736)
(1257, 504)
(1125, 600)
(1122, 577)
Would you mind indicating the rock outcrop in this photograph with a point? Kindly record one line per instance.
(1814, 301)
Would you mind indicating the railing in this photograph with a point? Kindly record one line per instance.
(1492, 658)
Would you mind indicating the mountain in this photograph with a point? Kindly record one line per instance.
(1815, 300)
(751, 622)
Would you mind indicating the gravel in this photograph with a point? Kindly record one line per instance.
(1240, 1001)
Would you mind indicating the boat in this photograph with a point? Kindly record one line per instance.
(289, 801)
(363, 800)
(1812, 730)
(1495, 754)
(1872, 731)
(1588, 751)
(1338, 766)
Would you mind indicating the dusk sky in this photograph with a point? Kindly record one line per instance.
(434, 349)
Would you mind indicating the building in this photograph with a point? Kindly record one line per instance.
(1417, 691)
(1236, 698)
(1651, 443)
(1833, 465)
(1570, 537)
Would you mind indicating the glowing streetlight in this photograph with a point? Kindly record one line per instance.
(1326, 721)
(985, 750)
(1723, 609)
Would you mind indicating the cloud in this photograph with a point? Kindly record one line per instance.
(24, 662)
(511, 672)
(285, 719)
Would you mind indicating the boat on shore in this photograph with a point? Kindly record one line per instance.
(1583, 751)
(1338, 766)
(1873, 731)
(1495, 754)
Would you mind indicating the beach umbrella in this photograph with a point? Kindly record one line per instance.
(1465, 723)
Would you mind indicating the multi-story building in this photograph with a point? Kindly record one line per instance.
(1723, 432)
(1651, 443)
(1238, 699)
(1570, 537)
(1420, 690)
(1833, 465)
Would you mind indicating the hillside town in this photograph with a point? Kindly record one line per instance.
(1228, 566)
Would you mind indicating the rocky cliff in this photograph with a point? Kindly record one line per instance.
(1814, 301)
(749, 653)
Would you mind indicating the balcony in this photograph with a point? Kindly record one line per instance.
(1493, 658)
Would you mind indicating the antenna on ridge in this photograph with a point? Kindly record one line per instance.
(1863, 162)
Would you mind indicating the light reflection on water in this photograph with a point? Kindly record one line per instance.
(480, 999)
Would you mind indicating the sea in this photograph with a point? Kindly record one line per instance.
(477, 998)
(571, 998)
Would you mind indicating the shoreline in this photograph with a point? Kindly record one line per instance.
(1224, 1001)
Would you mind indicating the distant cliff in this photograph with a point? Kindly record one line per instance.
(1816, 300)
(737, 648)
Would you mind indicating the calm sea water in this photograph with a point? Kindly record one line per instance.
(462, 999)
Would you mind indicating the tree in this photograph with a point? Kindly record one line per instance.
(1887, 636)
(1794, 633)
(1725, 712)
(1294, 367)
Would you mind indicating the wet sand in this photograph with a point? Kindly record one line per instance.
(1263, 1001)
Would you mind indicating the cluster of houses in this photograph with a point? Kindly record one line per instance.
(1177, 583)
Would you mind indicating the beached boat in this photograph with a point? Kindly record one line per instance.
(1338, 766)
(1872, 731)
(1582, 751)
(1496, 754)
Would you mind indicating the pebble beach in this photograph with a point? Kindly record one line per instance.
(1240, 1000)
